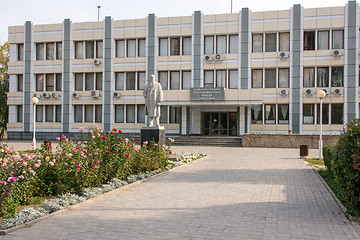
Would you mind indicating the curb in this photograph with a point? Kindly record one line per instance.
(123, 188)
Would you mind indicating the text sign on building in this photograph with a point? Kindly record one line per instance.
(207, 94)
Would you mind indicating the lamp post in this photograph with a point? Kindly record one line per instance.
(321, 94)
(34, 101)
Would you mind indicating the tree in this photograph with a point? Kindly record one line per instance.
(4, 86)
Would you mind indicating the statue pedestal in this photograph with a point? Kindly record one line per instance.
(155, 134)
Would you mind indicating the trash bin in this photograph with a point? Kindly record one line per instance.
(47, 144)
(304, 150)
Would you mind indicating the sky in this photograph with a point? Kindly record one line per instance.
(17, 12)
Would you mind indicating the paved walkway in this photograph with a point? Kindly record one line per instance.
(233, 193)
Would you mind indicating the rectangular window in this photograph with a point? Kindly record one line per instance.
(257, 43)
(40, 82)
(50, 49)
(120, 48)
(99, 49)
(58, 113)
(130, 81)
(175, 114)
(119, 113)
(337, 113)
(58, 81)
(89, 49)
(163, 47)
(78, 113)
(98, 113)
(323, 77)
(209, 45)
(39, 113)
(49, 113)
(233, 79)
(89, 81)
(174, 46)
(141, 113)
(256, 114)
(309, 40)
(186, 47)
(270, 42)
(78, 81)
(119, 81)
(283, 78)
(233, 43)
(221, 78)
(79, 50)
(99, 81)
(270, 113)
(130, 113)
(163, 114)
(186, 80)
(174, 80)
(50, 82)
(89, 113)
(131, 48)
(20, 52)
(19, 113)
(325, 113)
(309, 77)
(284, 41)
(337, 39)
(40, 51)
(270, 78)
(221, 44)
(20, 82)
(256, 78)
(59, 50)
(323, 40)
(142, 48)
(309, 113)
(209, 79)
(337, 77)
(283, 113)
(163, 80)
(141, 80)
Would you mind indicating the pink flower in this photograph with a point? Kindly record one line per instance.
(95, 167)
(21, 177)
(103, 137)
(82, 153)
(81, 128)
(11, 172)
(98, 161)
(51, 164)
(47, 159)
(79, 165)
(25, 164)
(145, 142)
(136, 149)
(32, 144)
(92, 136)
(63, 137)
(126, 140)
(78, 169)
(74, 150)
(58, 138)
(96, 153)
(69, 155)
(66, 164)
(127, 155)
(3, 183)
(155, 144)
(90, 155)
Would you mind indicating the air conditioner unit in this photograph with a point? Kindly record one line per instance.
(46, 95)
(309, 92)
(284, 92)
(55, 95)
(219, 57)
(76, 95)
(95, 93)
(283, 55)
(337, 53)
(38, 95)
(208, 57)
(97, 62)
(326, 91)
(117, 94)
(338, 91)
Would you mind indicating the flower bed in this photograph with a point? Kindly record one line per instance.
(83, 167)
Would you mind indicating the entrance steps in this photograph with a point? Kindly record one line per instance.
(224, 141)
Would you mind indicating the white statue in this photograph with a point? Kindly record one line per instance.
(153, 98)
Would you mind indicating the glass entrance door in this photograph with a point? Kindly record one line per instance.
(219, 123)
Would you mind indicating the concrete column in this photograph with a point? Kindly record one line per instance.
(197, 63)
(29, 82)
(66, 111)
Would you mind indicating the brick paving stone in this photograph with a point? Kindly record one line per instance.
(233, 193)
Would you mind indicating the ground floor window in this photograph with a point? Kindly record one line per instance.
(88, 113)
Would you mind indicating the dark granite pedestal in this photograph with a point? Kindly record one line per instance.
(155, 134)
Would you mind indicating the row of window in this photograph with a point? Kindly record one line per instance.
(270, 78)
(279, 113)
(44, 113)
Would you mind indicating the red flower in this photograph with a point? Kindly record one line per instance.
(134, 140)
(127, 155)
(103, 137)
(115, 130)
(120, 131)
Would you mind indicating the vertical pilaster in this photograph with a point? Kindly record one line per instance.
(67, 77)
(151, 46)
(108, 81)
(351, 62)
(244, 49)
(28, 79)
(197, 50)
(296, 68)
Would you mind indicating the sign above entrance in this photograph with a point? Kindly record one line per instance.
(207, 94)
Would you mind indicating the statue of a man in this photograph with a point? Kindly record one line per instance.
(153, 98)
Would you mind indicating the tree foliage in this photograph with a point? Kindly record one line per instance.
(4, 86)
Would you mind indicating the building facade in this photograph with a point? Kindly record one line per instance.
(224, 74)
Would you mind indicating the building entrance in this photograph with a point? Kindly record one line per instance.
(219, 123)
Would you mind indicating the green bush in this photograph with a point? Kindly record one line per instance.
(329, 154)
(343, 165)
